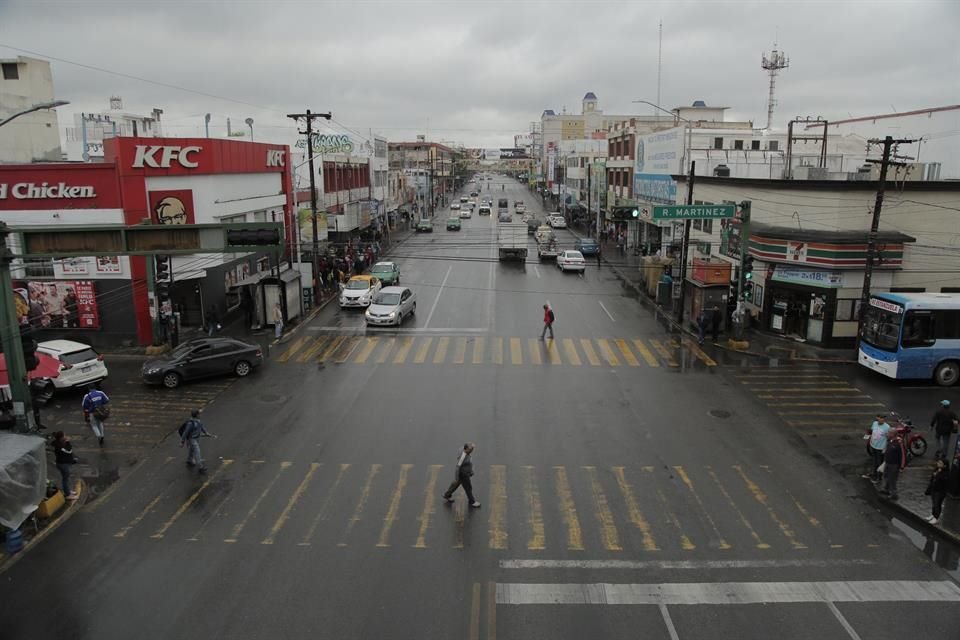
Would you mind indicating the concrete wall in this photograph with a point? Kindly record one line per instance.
(35, 136)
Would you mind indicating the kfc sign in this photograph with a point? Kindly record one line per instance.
(274, 158)
(160, 156)
(45, 191)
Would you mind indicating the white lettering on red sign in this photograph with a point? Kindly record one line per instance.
(147, 156)
(886, 305)
(274, 158)
(45, 191)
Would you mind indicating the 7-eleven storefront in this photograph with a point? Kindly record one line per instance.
(105, 300)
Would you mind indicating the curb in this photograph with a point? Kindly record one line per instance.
(917, 520)
(73, 508)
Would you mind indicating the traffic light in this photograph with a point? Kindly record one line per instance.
(30, 359)
(747, 269)
(635, 213)
(162, 276)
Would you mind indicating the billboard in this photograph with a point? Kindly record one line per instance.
(660, 153)
(505, 154)
(60, 304)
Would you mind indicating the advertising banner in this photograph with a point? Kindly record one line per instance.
(61, 304)
(39, 187)
(660, 152)
(172, 206)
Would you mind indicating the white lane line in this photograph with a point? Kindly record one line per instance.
(491, 287)
(439, 293)
(536, 270)
(843, 621)
(678, 564)
(667, 620)
(723, 593)
(609, 315)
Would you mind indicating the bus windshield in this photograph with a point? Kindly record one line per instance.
(881, 328)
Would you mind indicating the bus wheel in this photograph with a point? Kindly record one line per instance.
(947, 373)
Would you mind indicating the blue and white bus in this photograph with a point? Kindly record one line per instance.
(913, 336)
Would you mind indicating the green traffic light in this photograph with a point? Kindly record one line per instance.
(748, 275)
(636, 213)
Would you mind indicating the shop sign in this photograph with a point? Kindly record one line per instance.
(62, 304)
(172, 206)
(46, 187)
(694, 211)
(146, 156)
(108, 264)
(74, 266)
(46, 191)
(809, 277)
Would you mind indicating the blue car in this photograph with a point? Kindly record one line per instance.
(587, 247)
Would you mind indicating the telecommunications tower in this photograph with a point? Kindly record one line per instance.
(777, 60)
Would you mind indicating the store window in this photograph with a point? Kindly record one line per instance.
(774, 145)
(755, 145)
(38, 267)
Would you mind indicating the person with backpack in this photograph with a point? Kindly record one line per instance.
(190, 433)
(548, 319)
(64, 459)
(96, 409)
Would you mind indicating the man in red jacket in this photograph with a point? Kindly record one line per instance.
(548, 318)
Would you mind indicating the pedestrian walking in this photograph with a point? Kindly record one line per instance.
(96, 409)
(701, 325)
(64, 459)
(878, 444)
(464, 475)
(715, 323)
(548, 318)
(894, 461)
(937, 489)
(190, 433)
(944, 423)
(277, 320)
(599, 254)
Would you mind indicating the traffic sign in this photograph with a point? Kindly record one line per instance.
(695, 211)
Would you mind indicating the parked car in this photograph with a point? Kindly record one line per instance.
(202, 358)
(587, 246)
(359, 291)
(455, 206)
(391, 306)
(386, 272)
(571, 261)
(453, 224)
(473, 194)
(532, 225)
(80, 364)
(424, 225)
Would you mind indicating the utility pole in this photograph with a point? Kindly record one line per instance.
(888, 152)
(683, 249)
(13, 343)
(309, 117)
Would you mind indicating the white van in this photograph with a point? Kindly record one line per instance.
(80, 364)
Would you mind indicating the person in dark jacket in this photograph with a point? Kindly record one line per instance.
(937, 489)
(944, 423)
(63, 457)
(463, 478)
(894, 461)
(715, 323)
(953, 484)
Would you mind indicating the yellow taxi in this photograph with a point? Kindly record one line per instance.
(359, 291)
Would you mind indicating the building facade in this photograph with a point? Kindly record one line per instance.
(32, 137)
(84, 140)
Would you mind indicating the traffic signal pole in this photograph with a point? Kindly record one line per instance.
(686, 243)
(12, 344)
(745, 275)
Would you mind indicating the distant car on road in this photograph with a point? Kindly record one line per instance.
(80, 364)
(557, 222)
(453, 224)
(424, 225)
(484, 210)
(504, 216)
(587, 246)
(202, 358)
(519, 207)
(358, 291)
(392, 305)
(464, 199)
(466, 213)
(571, 261)
(473, 194)
(386, 272)
(532, 225)
(455, 206)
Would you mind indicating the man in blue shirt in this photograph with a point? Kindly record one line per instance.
(878, 444)
(96, 409)
(190, 434)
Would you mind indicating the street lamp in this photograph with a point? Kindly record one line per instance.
(249, 122)
(37, 107)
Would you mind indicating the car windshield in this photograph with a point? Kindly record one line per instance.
(881, 328)
(76, 357)
(588, 244)
(182, 350)
(358, 284)
(388, 299)
(453, 220)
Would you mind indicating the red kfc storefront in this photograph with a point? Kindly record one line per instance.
(105, 300)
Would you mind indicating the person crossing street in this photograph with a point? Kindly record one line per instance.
(548, 318)
(96, 409)
(464, 476)
(190, 433)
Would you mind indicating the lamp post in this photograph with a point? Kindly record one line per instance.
(37, 107)
(249, 122)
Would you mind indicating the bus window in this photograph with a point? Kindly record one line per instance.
(918, 330)
(881, 328)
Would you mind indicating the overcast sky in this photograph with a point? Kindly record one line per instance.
(479, 72)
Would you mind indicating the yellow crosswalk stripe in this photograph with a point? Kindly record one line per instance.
(478, 344)
(394, 508)
(324, 504)
(553, 352)
(633, 510)
(645, 353)
(627, 354)
(498, 506)
(238, 528)
(569, 509)
(664, 353)
(460, 352)
(537, 541)
(608, 353)
(405, 345)
(331, 348)
(702, 508)
(292, 349)
(291, 503)
(534, 346)
(761, 497)
(429, 506)
(361, 505)
(422, 351)
(368, 347)
(516, 351)
(347, 351)
(733, 506)
(570, 349)
(700, 353)
(497, 350)
(385, 351)
(189, 501)
(313, 349)
(608, 528)
(588, 351)
(441, 353)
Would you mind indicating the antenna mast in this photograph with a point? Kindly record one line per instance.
(777, 61)
(659, 60)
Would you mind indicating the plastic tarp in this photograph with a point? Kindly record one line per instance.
(23, 477)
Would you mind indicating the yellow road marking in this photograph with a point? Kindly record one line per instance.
(700, 353)
(498, 351)
(237, 528)
(818, 395)
(371, 344)
(361, 504)
(292, 349)
(685, 541)
(570, 348)
(839, 390)
(458, 519)
(478, 344)
(516, 351)
(534, 346)
(313, 349)
(474, 632)
(588, 351)
(703, 510)
(743, 519)
(569, 510)
(608, 353)
(193, 498)
(346, 353)
(294, 498)
(422, 351)
(405, 345)
(824, 404)
(331, 348)
(498, 507)
(761, 497)
(534, 513)
(460, 353)
(140, 516)
(664, 353)
(441, 353)
(608, 527)
(322, 512)
(553, 352)
(633, 510)
(391, 516)
(429, 506)
(387, 348)
(645, 353)
(627, 354)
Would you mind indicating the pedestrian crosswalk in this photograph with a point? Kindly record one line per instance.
(666, 352)
(556, 508)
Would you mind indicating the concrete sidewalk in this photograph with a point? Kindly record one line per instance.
(915, 507)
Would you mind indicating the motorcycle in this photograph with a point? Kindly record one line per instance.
(913, 441)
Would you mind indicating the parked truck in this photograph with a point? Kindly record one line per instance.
(512, 240)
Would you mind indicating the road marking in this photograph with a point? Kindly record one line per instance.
(608, 353)
(294, 498)
(516, 351)
(824, 404)
(844, 390)
(498, 506)
(534, 513)
(322, 512)
(367, 350)
(498, 350)
(422, 351)
(668, 621)
(664, 353)
(109, 492)
(441, 353)
(761, 497)
(693, 565)
(571, 350)
(743, 519)
(724, 593)
(296, 346)
(536, 270)
(458, 519)
(460, 351)
(627, 354)
(361, 504)
(405, 345)
(331, 348)
(394, 509)
(346, 353)
(703, 510)
(237, 528)
(140, 516)
(429, 506)
(313, 349)
(437, 299)
(491, 611)
(474, 633)
(645, 353)
(478, 344)
(534, 345)
(633, 510)
(608, 527)
(193, 498)
(700, 353)
(569, 510)
(843, 621)
(358, 330)
(685, 543)
(606, 311)
(589, 352)
(553, 352)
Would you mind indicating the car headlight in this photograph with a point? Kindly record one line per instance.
(153, 370)
(393, 314)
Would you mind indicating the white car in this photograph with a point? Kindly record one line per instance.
(465, 212)
(571, 261)
(464, 199)
(557, 222)
(80, 364)
(455, 206)
(359, 291)
(391, 305)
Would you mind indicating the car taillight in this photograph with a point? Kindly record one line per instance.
(64, 366)
(100, 358)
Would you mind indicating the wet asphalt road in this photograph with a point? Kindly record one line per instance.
(632, 486)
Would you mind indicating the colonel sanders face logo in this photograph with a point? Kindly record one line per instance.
(171, 210)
